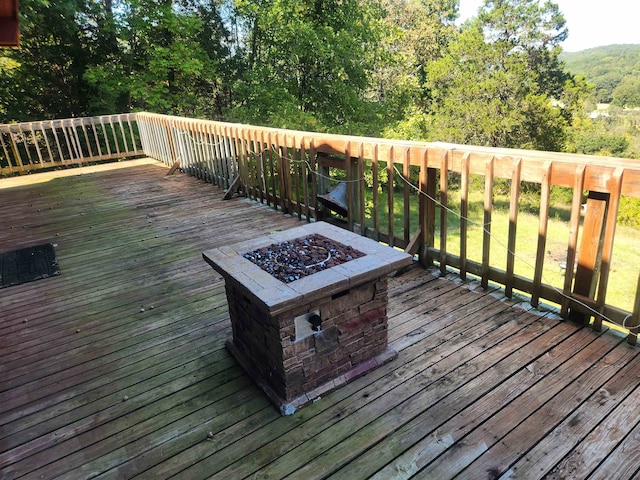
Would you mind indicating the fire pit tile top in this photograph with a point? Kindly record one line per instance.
(274, 295)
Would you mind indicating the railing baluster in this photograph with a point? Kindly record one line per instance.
(115, 136)
(486, 226)
(9, 166)
(75, 139)
(95, 137)
(273, 169)
(86, 137)
(361, 188)
(513, 225)
(464, 213)
(25, 144)
(406, 190)
(106, 137)
(258, 159)
(349, 178)
(390, 188)
(615, 187)
(444, 186)
(574, 227)
(264, 188)
(124, 136)
(314, 179)
(376, 187)
(545, 196)
(36, 142)
(134, 146)
(305, 179)
(423, 209)
(16, 153)
(57, 138)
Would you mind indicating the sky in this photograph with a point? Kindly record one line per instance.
(591, 23)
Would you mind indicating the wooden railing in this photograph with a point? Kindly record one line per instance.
(30, 146)
(418, 196)
(437, 201)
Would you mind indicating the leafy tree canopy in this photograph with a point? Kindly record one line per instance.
(627, 93)
(501, 82)
(605, 67)
(372, 67)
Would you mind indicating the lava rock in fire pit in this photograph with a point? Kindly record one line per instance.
(291, 260)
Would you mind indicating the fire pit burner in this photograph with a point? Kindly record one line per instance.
(291, 260)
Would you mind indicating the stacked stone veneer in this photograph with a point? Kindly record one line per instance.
(351, 300)
(354, 329)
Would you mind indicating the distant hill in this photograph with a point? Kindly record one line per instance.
(605, 67)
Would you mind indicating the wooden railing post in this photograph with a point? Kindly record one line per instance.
(486, 225)
(513, 225)
(589, 255)
(427, 210)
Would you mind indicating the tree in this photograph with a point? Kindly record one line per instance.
(627, 94)
(306, 63)
(501, 82)
(88, 57)
(417, 33)
(168, 61)
(45, 75)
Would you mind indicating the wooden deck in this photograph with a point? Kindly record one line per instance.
(117, 367)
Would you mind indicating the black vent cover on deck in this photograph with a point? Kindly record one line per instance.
(28, 264)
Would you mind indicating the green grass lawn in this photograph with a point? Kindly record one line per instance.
(625, 265)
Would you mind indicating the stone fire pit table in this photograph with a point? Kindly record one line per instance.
(302, 339)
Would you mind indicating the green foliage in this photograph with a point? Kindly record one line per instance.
(45, 80)
(418, 33)
(495, 85)
(605, 67)
(561, 195)
(398, 68)
(383, 175)
(165, 65)
(627, 93)
(629, 212)
(605, 145)
(613, 135)
(313, 57)
(81, 57)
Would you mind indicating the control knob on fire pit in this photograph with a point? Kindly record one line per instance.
(315, 322)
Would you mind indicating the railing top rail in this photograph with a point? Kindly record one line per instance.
(64, 122)
(599, 170)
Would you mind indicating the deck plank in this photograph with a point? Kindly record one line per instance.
(543, 405)
(117, 367)
(575, 427)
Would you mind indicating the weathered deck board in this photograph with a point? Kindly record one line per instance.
(117, 368)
